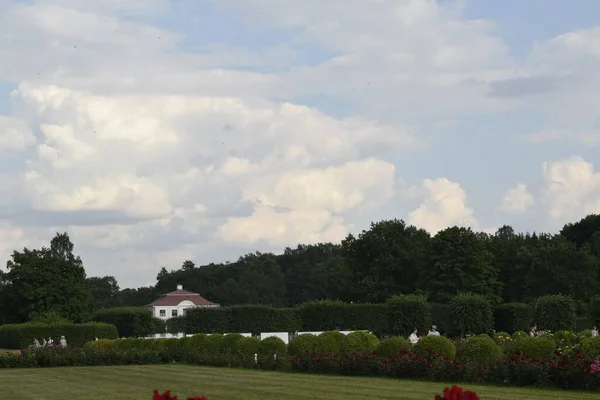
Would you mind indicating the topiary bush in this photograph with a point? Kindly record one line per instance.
(437, 345)
(479, 350)
(555, 312)
(512, 317)
(272, 353)
(392, 346)
(19, 336)
(471, 314)
(590, 347)
(302, 344)
(408, 312)
(565, 338)
(502, 338)
(537, 348)
(329, 342)
(247, 350)
(440, 316)
(518, 335)
(360, 341)
(130, 321)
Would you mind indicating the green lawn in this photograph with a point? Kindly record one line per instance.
(138, 382)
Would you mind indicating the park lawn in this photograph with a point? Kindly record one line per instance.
(138, 383)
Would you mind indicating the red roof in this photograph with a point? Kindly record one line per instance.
(176, 297)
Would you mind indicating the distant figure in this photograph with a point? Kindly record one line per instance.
(50, 342)
(44, 342)
(533, 331)
(594, 332)
(433, 331)
(96, 339)
(63, 342)
(413, 338)
(36, 343)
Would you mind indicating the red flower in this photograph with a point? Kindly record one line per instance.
(167, 396)
(457, 393)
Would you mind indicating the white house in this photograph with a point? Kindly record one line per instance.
(176, 303)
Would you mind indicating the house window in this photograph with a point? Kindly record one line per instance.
(162, 313)
(173, 313)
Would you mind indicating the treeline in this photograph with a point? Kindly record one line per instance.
(388, 259)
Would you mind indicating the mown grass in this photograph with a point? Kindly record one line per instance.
(138, 383)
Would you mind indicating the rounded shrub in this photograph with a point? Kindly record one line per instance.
(480, 349)
(229, 342)
(590, 347)
(565, 338)
(406, 312)
(271, 353)
(502, 338)
(247, 349)
(471, 314)
(100, 344)
(196, 342)
(360, 341)
(437, 345)
(329, 342)
(518, 335)
(392, 346)
(302, 344)
(537, 348)
(555, 312)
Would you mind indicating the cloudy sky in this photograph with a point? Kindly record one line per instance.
(154, 131)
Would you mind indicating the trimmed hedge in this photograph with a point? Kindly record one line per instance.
(408, 312)
(480, 349)
(594, 311)
(440, 317)
(437, 345)
(130, 321)
(19, 336)
(326, 315)
(512, 317)
(247, 318)
(555, 312)
(471, 314)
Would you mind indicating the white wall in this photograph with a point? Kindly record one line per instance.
(184, 305)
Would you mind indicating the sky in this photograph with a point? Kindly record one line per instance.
(156, 131)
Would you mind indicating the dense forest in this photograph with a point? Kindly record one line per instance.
(389, 258)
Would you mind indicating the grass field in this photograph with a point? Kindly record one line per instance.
(138, 382)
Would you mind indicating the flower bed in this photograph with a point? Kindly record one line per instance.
(526, 362)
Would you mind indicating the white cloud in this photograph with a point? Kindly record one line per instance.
(571, 188)
(14, 134)
(517, 200)
(445, 205)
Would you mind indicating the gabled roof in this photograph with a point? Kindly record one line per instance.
(176, 297)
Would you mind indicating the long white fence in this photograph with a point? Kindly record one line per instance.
(285, 336)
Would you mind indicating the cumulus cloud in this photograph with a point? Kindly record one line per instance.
(151, 148)
(517, 200)
(444, 205)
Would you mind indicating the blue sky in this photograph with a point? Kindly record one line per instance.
(159, 131)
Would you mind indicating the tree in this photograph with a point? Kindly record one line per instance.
(48, 280)
(387, 259)
(460, 263)
(105, 292)
(581, 232)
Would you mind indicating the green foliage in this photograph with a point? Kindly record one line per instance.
(51, 279)
(49, 318)
(18, 336)
(130, 321)
(471, 314)
(460, 262)
(518, 335)
(566, 338)
(437, 345)
(479, 350)
(512, 317)
(302, 343)
(272, 353)
(329, 342)
(594, 310)
(177, 324)
(555, 312)
(440, 317)
(536, 348)
(391, 346)
(590, 347)
(247, 349)
(407, 313)
(329, 315)
(360, 341)
(208, 320)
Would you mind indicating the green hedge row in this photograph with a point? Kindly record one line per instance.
(19, 336)
(399, 316)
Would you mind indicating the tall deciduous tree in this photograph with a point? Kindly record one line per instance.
(105, 292)
(46, 280)
(387, 259)
(459, 263)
